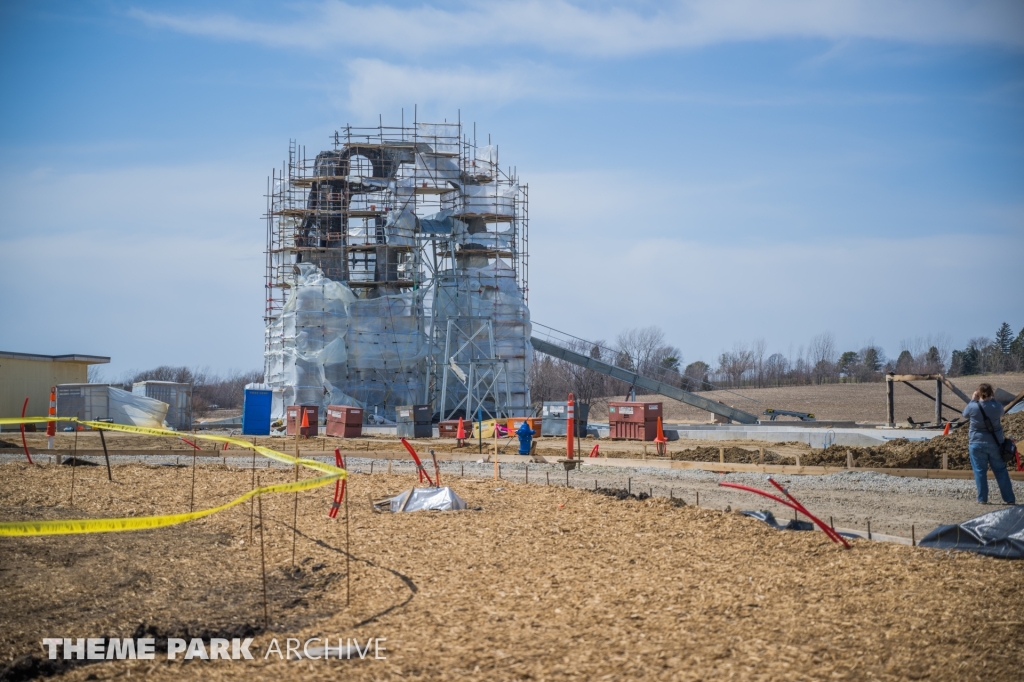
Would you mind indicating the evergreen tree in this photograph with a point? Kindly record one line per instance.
(873, 361)
(905, 363)
(970, 361)
(933, 361)
(1004, 337)
(1017, 350)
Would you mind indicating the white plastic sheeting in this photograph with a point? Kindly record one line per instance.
(427, 499)
(91, 402)
(488, 290)
(443, 138)
(482, 200)
(330, 348)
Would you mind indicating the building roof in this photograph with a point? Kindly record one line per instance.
(74, 357)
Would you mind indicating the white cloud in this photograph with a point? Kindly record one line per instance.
(149, 265)
(610, 30)
(376, 86)
(707, 294)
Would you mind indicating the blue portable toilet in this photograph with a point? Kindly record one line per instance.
(256, 411)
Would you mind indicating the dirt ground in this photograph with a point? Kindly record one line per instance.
(540, 583)
(914, 454)
(863, 403)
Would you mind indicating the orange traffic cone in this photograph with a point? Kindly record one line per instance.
(460, 435)
(305, 424)
(51, 426)
(660, 440)
(945, 431)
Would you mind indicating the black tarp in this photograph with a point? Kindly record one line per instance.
(999, 534)
(769, 518)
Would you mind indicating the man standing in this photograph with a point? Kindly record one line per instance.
(984, 442)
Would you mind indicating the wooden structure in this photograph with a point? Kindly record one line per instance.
(940, 381)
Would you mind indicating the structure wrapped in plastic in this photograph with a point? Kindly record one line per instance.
(397, 274)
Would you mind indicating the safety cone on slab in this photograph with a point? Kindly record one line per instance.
(51, 427)
(460, 435)
(305, 424)
(570, 426)
(660, 440)
(945, 431)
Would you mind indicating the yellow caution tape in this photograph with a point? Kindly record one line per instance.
(68, 527)
(65, 527)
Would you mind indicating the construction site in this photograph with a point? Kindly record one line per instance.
(392, 478)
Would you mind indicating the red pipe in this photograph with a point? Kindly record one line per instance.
(829, 533)
(419, 465)
(836, 537)
(24, 444)
(190, 443)
(339, 486)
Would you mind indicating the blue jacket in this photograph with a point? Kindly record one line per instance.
(525, 434)
(979, 433)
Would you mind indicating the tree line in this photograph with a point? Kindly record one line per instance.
(751, 365)
(209, 390)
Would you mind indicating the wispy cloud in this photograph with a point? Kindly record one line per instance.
(610, 30)
(375, 86)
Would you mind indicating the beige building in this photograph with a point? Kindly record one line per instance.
(25, 375)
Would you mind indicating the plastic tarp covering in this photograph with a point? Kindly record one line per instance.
(997, 534)
(494, 238)
(329, 347)
(483, 167)
(427, 499)
(769, 518)
(482, 200)
(443, 138)
(135, 410)
(433, 171)
(489, 291)
(437, 225)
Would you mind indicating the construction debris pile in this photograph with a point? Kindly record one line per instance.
(397, 275)
(905, 454)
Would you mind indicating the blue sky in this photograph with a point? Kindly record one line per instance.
(728, 170)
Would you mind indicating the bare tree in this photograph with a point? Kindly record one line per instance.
(823, 357)
(758, 351)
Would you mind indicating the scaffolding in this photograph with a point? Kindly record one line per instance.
(386, 252)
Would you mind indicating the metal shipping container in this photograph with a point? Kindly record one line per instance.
(84, 401)
(633, 430)
(414, 421)
(256, 405)
(554, 419)
(633, 412)
(295, 417)
(450, 429)
(178, 396)
(344, 421)
(515, 422)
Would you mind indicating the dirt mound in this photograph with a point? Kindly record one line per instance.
(733, 455)
(902, 453)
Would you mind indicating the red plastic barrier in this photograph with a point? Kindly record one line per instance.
(419, 464)
(339, 486)
(831, 534)
(24, 444)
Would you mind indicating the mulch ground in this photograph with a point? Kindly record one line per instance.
(540, 583)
